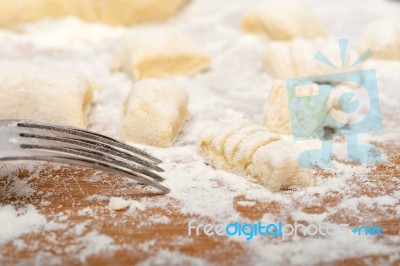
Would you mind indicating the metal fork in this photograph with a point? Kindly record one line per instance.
(44, 141)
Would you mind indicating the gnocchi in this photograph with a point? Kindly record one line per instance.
(383, 38)
(158, 52)
(277, 116)
(122, 12)
(31, 92)
(385, 68)
(252, 151)
(285, 60)
(282, 20)
(154, 112)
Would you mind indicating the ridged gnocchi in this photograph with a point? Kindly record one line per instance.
(250, 150)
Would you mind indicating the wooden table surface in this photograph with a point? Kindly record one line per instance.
(65, 191)
(69, 197)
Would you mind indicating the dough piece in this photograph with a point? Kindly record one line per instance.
(120, 12)
(118, 204)
(277, 115)
(382, 37)
(276, 111)
(282, 20)
(252, 151)
(158, 52)
(293, 59)
(31, 92)
(15, 12)
(154, 112)
(384, 68)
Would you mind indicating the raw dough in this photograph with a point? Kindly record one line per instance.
(384, 68)
(277, 116)
(382, 37)
(285, 60)
(117, 203)
(282, 20)
(125, 12)
(276, 111)
(252, 151)
(154, 112)
(158, 52)
(31, 92)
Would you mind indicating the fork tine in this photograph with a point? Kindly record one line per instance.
(89, 135)
(89, 163)
(57, 143)
(95, 146)
(94, 155)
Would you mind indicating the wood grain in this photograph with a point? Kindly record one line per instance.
(65, 191)
(68, 197)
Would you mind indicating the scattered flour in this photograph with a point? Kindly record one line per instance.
(86, 212)
(158, 219)
(16, 222)
(97, 197)
(246, 203)
(135, 206)
(236, 87)
(166, 257)
(91, 244)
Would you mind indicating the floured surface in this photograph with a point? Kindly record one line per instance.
(71, 220)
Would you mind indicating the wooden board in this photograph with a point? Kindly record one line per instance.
(62, 196)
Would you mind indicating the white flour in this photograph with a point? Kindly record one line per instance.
(16, 222)
(236, 86)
